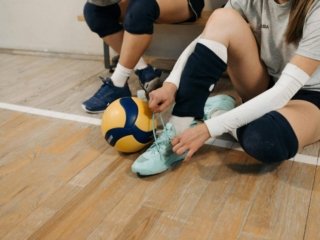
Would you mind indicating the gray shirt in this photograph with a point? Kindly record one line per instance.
(268, 21)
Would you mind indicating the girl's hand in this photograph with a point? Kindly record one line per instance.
(191, 140)
(161, 98)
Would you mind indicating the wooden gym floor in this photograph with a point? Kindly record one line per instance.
(59, 179)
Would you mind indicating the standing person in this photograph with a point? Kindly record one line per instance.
(271, 50)
(127, 27)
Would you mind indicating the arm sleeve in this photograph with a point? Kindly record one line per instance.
(176, 72)
(291, 80)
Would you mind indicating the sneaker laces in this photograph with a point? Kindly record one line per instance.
(163, 138)
(102, 89)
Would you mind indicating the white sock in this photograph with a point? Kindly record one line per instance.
(120, 75)
(181, 123)
(218, 48)
(141, 64)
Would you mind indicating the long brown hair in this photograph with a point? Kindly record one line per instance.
(299, 10)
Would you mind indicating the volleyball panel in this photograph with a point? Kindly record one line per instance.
(113, 117)
(144, 118)
(128, 144)
(127, 124)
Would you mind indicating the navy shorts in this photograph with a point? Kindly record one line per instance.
(306, 95)
(196, 7)
(309, 96)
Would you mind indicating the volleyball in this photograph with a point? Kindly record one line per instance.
(127, 124)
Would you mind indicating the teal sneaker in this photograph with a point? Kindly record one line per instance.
(159, 157)
(218, 103)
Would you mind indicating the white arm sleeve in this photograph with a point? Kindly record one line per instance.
(176, 72)
(291, 80)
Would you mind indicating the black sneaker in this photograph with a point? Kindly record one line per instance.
(106, 94)
(149, 78)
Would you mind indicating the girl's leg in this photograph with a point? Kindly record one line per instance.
(247, 72)
(227, 41)
(278, 135)
(304, 118)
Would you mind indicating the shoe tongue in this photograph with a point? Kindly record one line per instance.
(146, 74)
(170, 130)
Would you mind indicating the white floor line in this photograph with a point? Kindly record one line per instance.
(94, 121)
(301, 158)
(51, 114)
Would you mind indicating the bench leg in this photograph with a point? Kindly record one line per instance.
(106, 55)
(108, 62)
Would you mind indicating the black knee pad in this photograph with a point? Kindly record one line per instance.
(140, 16)
(269, 139)
(103, 20)
(203, 68)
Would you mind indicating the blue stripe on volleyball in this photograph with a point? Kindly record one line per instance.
(131, 111)
(113, 135)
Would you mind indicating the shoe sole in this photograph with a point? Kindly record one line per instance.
(89, 111)
(171, 165)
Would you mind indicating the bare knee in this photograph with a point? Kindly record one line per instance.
(224, 24)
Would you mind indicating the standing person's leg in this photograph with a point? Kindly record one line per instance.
(140, 16)
(115, 40)
(138, 24)
(106, 22)
(170, 12)
(222, 39)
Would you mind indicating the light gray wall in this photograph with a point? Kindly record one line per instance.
(213, 4)
(46, 25)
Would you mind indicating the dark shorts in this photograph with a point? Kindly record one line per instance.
(309, 96)
(196, 7)
(306, 95)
